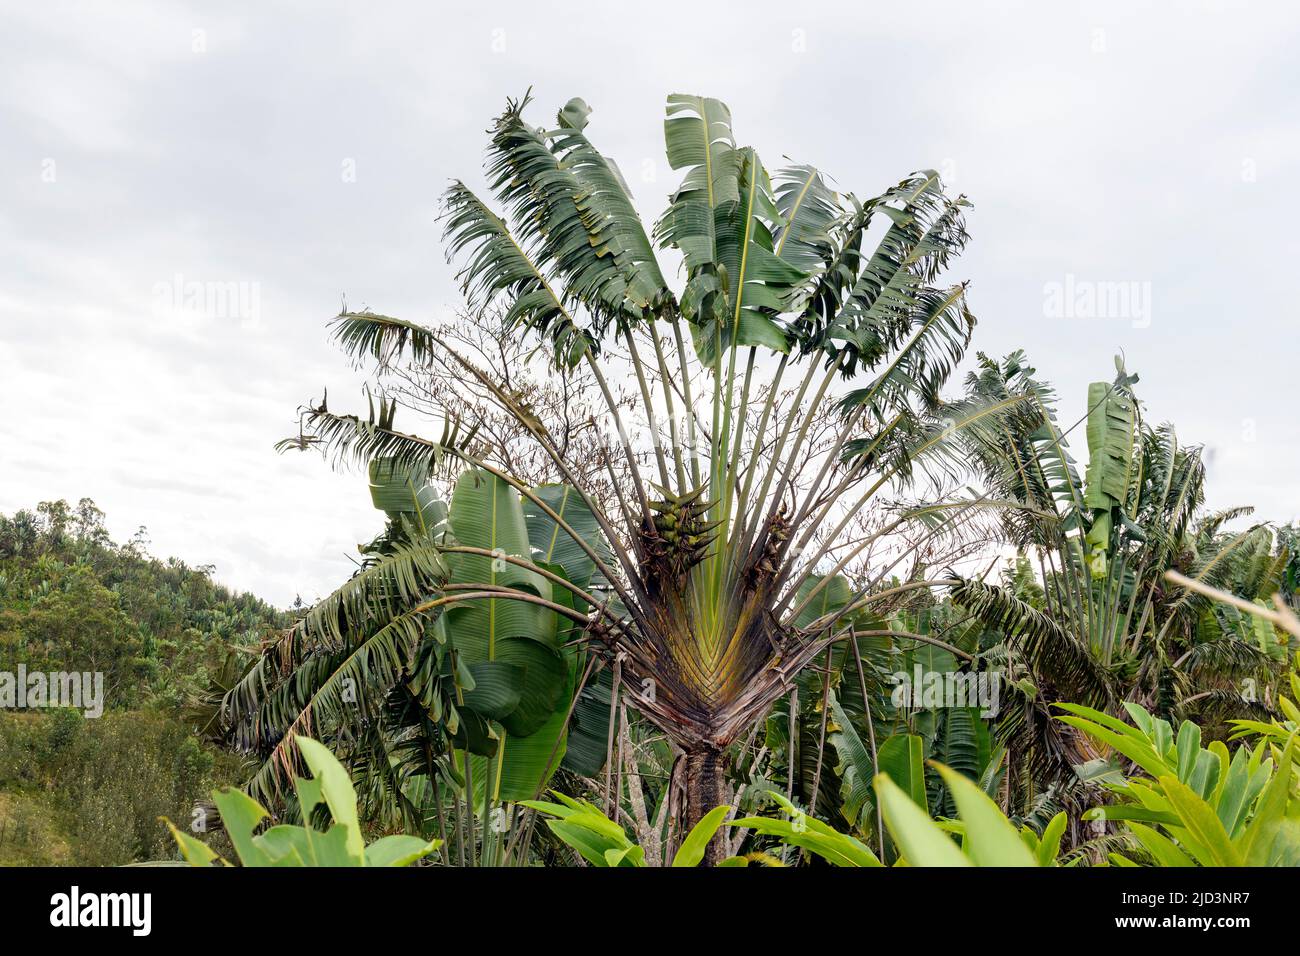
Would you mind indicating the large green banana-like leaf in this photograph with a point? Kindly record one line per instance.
(931, 660)
(1112, 438)
(990, 839)
(398, 489)
(1112, 422)
(760, 283)
(588, 742)
(964, 745)
(943, 328)
(606, 206)
(497, 689)
(902, 760)
(513, 766)
(855, 767)
(697, 134)
(542, 193)
(524, 764)
(921, 842)
(544, 670)
(486, 513)
(587, 746)
(880, 306)
(756, 284)
(498, 265)
(552, 544)
(829, 597)
(808, 209)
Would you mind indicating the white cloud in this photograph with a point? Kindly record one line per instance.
(223, 165)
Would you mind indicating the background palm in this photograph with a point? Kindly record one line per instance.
(1105, 626)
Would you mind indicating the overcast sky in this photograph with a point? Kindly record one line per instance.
(293, 153)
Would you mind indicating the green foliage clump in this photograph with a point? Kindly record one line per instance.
(341, 844)
(161, 632)
(90, 792)
(1192, 805)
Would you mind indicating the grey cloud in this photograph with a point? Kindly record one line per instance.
(1109, 141)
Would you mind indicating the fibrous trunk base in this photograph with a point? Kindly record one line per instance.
(703, 793)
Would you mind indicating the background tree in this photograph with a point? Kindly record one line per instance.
(1104, 627)
(90, 792)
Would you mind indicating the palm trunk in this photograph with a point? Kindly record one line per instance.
(703, 793)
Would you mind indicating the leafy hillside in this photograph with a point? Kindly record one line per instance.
(79, 790)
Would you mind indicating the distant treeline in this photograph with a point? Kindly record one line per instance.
(75, 790)
(73, 600)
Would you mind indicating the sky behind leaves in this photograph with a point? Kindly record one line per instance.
(1133, 169)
